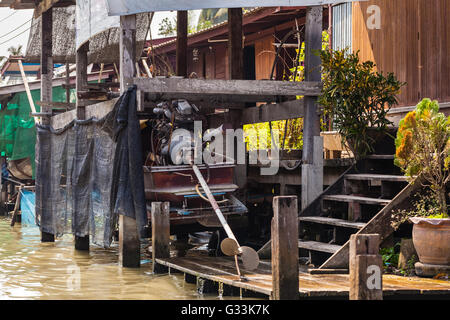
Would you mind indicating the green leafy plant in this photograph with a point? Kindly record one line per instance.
(357, 98)
(390, 256)
(423, 148)
(426, 206)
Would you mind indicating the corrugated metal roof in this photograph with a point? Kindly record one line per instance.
(213, 27)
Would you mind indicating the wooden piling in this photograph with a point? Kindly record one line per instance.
(46, 84)
(285, 248)
(129, 243)
(160, 234)
(366, 267)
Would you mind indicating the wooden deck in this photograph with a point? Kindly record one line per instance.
(221, 270)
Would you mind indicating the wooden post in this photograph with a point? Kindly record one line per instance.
(81, 243)
(67, 82)
(366, 267)
(285, 248)
(160, 234)
(127, 51)
(81, 81)
(182, 34)
(235, 48)
(312, 168)
(129, 242)
(236, 71)
(46, 83)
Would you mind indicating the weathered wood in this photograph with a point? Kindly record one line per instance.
(46, 88)
(284, 248)
(160, 234)
(67, 88)
(311, 168)
(129, 243)
(56, 105)
(376, 177)
(127, 51)
(46, 61)
(82, 243)
(273, 112)
(235, 44)
(27, 88)
(349, 198)
(379, 224)
(312, 173)
(318, 246)
(222, 270)
(16, 208)
(260, 89)
(407, 251)
(365, 267)
(81, 81)
(147, 69)
(334, 222)
(182, 44)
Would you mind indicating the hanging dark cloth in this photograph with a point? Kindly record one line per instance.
(127, 190)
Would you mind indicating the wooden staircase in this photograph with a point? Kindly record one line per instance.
(361, 201)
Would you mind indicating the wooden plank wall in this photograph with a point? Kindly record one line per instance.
(264, 57)
(413, 42)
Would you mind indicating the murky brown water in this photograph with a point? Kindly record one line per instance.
(30, 269)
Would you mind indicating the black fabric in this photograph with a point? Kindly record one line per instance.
(89, 172)
(127, 190)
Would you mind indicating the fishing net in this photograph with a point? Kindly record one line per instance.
(85, 175)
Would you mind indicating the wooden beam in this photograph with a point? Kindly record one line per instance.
(274, 112)
(221, 88)
(182, 34)
(160, 234)
(366, 265)
(285, 248)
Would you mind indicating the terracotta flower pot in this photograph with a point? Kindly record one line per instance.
(431, 238)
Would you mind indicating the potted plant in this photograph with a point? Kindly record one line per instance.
(423, 150)
(358, 99)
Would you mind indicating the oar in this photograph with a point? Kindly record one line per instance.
(230, 246)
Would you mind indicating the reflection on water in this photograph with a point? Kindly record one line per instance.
(30, 269)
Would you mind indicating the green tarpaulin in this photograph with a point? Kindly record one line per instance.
(17, 128)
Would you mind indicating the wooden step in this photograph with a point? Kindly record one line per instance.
(318, 246)
(350, 198)
(380, 157)
(379, 177)
(334, 222)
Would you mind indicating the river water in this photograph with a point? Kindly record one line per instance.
(30, 269)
